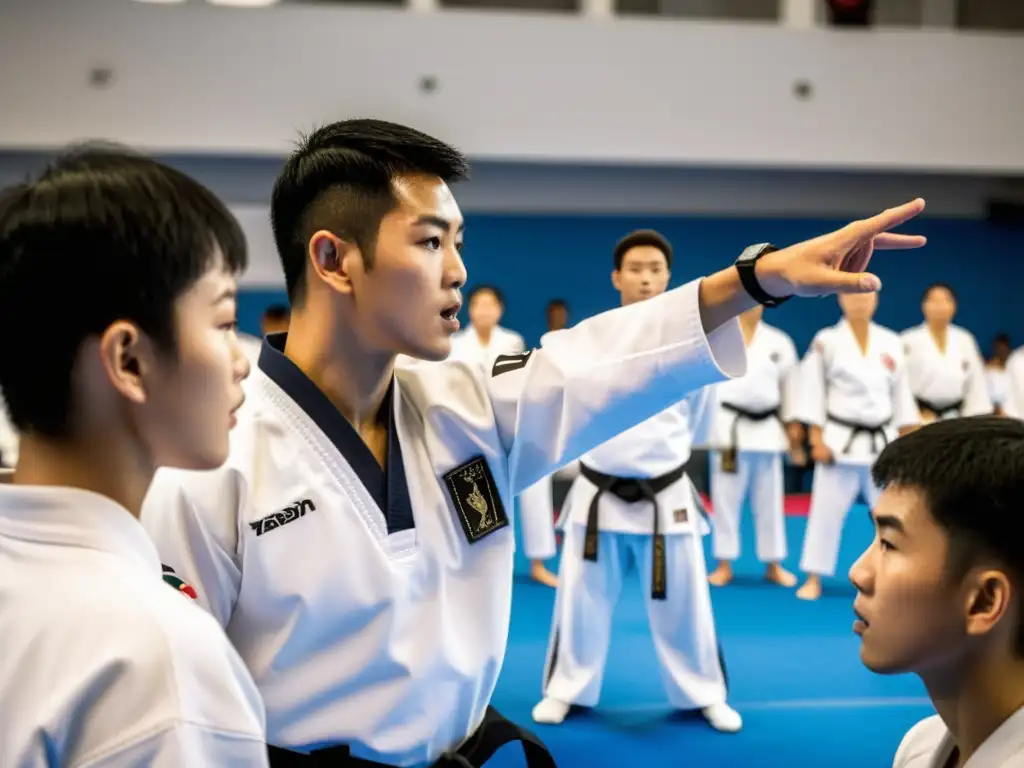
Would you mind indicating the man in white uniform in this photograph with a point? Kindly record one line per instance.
(104, 663)
(944, 365)
(481, 342)
(753, 427)
(939, 589)
(996, 374)
(634, 503)
(856, 399)
(1013, 405)
(357, 546)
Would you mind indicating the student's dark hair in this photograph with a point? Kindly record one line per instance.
(101, 235)
(277, 312)
(491, 289)
(340, 179)
(554, 303)
(642, 237)
(970, 472)
(937, 287)
(1002, 338)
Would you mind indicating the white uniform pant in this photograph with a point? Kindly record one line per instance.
(834, 490)
(683, 625)
(537, 518)
(759, 475)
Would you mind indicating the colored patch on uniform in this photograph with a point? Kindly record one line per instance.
(289, 514)
(889, 363)
(775, 357)
(476, 499)
(178, 584)
(681, 516)
(509, 363)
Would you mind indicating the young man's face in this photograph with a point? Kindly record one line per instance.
(858, 307)
(484, 310)
(407, 300)
(644, 273)
(193, 395)
(558, 317)
(912, 608)
(938, 307)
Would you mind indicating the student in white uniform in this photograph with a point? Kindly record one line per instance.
(1013, 405)
(633, 504)
(482, 342)
(8, 438)
(357, 546)
(855, 398)
(104, 662)
(753, 428)
(939, 590)
(995, 371)
(944, 364)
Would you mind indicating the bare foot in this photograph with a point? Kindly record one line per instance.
(811, 590)
(776, 574)
(541, 574)
(722, 575)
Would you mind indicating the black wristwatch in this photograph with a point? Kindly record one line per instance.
(746, 264)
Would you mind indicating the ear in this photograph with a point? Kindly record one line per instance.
(989, 600)
(126, 356)
(332, 259)
(616, 283)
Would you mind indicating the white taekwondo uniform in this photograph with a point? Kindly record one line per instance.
(749, 438)
(610, 520)
(104, 665)
(929, 744)
(949, 382)
(9, 440)
(372, 606)
(998, 381)
(860, 400)
(1013, 404)
(536, 510)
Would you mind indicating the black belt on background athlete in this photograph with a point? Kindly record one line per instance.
(874, 431)
(494, 732)
(631, 490)
(728, 455)
(940, 413)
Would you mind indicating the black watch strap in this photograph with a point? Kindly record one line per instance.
(746, 265)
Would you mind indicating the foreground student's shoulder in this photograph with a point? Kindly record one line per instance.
(920, 743)
(454, 385)
(165, 685)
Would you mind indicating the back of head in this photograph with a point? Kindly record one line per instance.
(102, 235)
(340, 179)
(970, 473)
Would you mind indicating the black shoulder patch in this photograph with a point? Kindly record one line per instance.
(476, 499)
(509, 363)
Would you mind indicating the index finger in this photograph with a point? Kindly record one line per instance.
(887, 219)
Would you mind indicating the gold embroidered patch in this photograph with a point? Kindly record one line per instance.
(476, 499)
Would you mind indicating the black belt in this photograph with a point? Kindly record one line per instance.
(631, 490)
(874, 431)
(940, 413)
(494, 732)
(745, 415)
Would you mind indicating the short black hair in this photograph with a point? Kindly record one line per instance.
(936, 287)
(340, 179)
(1002, 338)
(103, 234)
(642, 237)
(491, 289)
(555, 303)
(970, 472)
(277, 312)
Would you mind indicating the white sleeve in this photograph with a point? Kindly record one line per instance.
(589, 383)
(790, 384)
(904, 406)
(811, 404)
(192, 517)
(976, 399)
(186, 744)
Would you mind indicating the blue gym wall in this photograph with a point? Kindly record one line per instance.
(534, 258)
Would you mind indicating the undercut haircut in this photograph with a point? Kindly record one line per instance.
(102, 235)
(970, 472)
(642, 237)
(341, 179)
